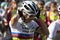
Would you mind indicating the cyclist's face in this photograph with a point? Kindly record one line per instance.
(32, 17)
(27, 16)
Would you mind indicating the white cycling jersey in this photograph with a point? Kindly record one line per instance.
(25, 29)
(54, 30)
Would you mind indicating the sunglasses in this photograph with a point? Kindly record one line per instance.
(30, 13)
(32, 16)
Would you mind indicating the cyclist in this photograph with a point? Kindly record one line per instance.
(23, 27)
(22, 24)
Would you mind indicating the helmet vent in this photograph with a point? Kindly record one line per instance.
(35, 8)
(26, 7)
(30, 7)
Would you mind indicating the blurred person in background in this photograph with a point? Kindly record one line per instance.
(40, 4)
(46, 9)
(5, 27)
(11, 10)
(52, 14)
(47, 6)
(9, 14)
(14, 7)
(42, 14)
(54, 28)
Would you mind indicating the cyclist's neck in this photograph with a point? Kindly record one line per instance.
(26, 20)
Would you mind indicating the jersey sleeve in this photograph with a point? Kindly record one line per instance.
(35, 24)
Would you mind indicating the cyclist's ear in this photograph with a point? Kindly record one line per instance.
(20, 13)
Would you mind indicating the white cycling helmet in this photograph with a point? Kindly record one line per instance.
(29, 6)
(59, 8)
